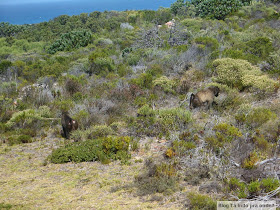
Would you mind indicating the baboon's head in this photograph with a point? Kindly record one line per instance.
(194, 101)
(215, 90)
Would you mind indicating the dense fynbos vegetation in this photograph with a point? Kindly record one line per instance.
(127, 77)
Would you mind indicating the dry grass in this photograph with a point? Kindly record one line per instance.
(27, 182)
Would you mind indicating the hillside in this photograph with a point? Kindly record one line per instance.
(128, 78)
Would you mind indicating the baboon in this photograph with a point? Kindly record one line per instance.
(204, 96)
(68, 124)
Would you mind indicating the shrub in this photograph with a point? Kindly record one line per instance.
(198, 201)
(237, 73)
(102, 66)
(72, 85)
(260, 47)
(179, 148)
(158, 177)
(269, 184)
(28, 117)
(254, 117)
(144, 81)
(98, 131)
(235, 184)
(173, 119)
(146, 111)
(19, 139)
(164, 83)
(224, 133)
(250, 161)
(104, 150)
(4, 65)
(208, 42)
(254, 187)
(71, 40)
(216, 9)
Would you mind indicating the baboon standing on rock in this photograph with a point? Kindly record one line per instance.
(204, 96)
(68, 124)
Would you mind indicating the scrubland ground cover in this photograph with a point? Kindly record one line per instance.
(126, 78)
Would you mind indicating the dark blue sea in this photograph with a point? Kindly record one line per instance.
(21, 12)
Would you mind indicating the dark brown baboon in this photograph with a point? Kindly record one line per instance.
(204, 97)
(68, 124)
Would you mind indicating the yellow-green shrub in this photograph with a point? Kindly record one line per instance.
(238, 73)
(28, 117)
(254, 117)
(166, 84)
(223, 133)
(198, 201)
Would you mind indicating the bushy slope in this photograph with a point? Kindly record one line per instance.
(126, 73)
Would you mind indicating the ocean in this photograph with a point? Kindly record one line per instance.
(29, 13)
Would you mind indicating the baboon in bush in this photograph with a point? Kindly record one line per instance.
(68, 124)
(204, 97)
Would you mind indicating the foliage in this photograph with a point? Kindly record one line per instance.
(260, 47)
(269, 184)
(146, 111)
(98, 131)
(173, 119)
(198, 201)
(254, 117)
(223, 133)
(250, 161)
(254, 187)
(104, 150)
(160, 122)
(179, 148)
(28, 117)
(9, 30)
(208, 42)
(216, 9)
(4, 65)
(71, 40)
(164, 83)
(144, 81)
(177, 5)
(158, 177)
(237, 73)
(19, 139)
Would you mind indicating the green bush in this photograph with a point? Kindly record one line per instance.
(254, 187)
(216, 9)
(146, 111)
(269, 184)
(4, 65)
(237, 73)
(12, 140)
(144, 81)
(260, 47)
(28, 117)
(98, 131)
(172, 119)
(179, 148)
(157, 178)
(250, 161)
(208, 42)
(164, 83)
(224, 133)
(198, 201)
(235, 184)
(103, 66)
(5, 206)
(71, 40)
(104, 150)
(254, 117)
